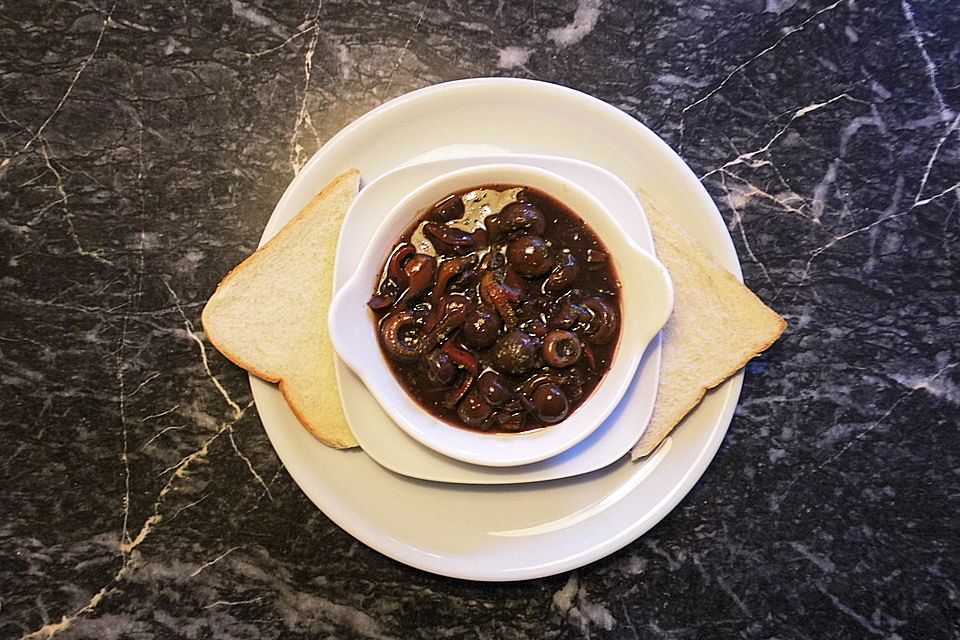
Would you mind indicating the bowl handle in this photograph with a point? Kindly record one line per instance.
(658, 289)
(347, 325)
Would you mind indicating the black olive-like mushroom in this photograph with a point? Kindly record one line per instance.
(481, 327)
(516, 216)
(564, 273)
(440, 367)
(474, 410)
(550, 403)
(449, 208)
(516, 352)
(494, 389)
(530, 256)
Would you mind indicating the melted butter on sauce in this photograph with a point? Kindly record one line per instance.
(478, 204)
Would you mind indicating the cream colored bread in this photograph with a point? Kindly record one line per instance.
(269, 315)
(716, 327)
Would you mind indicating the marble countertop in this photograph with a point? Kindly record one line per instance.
(143, 150)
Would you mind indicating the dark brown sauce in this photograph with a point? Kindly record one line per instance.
(499, 309)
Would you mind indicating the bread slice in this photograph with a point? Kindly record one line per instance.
(716, 327)
(269, 315)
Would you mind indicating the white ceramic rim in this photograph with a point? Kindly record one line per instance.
(326, 163)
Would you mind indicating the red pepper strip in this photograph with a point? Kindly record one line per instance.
(463, 358)
(448, 270)
(395, 265)
(499, 296)
(456, 394)
(588, 354)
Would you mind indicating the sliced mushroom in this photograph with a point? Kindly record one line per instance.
(419, 270)
(561, 348)
(603, 325)
(450, 313)
(449, 269)
(400, 335)
(448, 235)
(398, 258)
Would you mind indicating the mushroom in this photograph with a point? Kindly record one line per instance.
(419, 271)
(400, 335)
(461, 358)
(516, 352)
(568, 315)
(400, 254)
(565, 272)
(450, 268)
(516, 216)
(509, 420)
(384, 297)
(530, 256)
(494, 389)
(571, 381)
(550, 404)
(439, 367)
(450, 313)
(561, 348)
(603, 325)
(448, 235)
(481, 327)
(449, 208)
(474, 410)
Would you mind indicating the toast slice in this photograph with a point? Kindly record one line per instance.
(716, 327)
(269, 315)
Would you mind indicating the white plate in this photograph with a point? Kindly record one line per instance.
(386, 442)
(506, 532)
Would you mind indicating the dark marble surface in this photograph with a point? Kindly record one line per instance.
(143, 148)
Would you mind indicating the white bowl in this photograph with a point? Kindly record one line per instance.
(646, 299)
